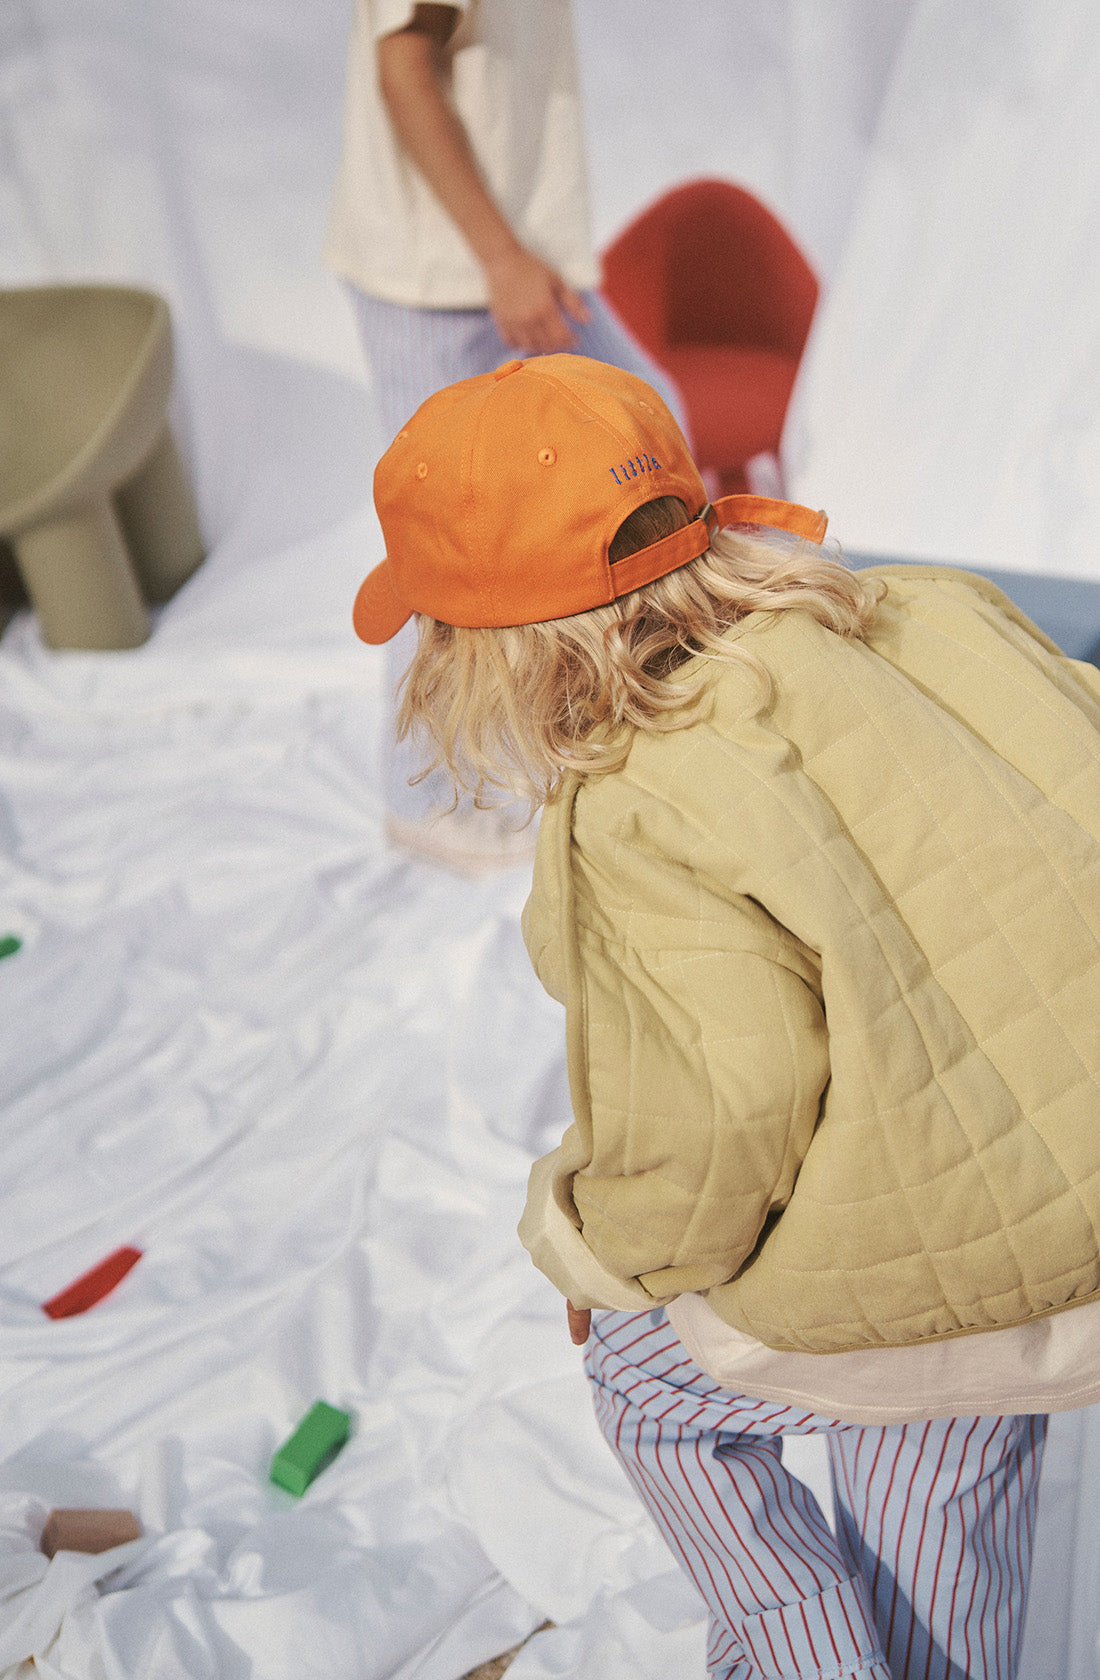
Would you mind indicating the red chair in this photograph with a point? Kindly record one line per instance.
(714, 287)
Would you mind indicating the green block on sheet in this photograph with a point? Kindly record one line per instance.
(315, 1443)
(9, 944)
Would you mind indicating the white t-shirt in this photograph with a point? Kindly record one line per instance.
(514, 85)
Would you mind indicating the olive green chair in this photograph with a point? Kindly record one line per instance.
(94, 500)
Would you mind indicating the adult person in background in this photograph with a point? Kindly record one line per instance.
(460, 219)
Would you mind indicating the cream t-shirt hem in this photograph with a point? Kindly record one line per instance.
(464, 289)
(1048, 1365)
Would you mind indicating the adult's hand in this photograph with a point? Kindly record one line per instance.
(580, 1323)
(531, 304)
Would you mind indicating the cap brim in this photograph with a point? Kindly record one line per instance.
(379, 611)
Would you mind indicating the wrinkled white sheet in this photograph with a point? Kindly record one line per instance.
(307, 1077)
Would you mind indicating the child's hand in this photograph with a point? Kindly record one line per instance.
(531, 304)
(580, 1323)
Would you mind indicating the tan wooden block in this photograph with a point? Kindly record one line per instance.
(88, 1531)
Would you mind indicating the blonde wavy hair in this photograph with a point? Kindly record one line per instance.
(512, 710)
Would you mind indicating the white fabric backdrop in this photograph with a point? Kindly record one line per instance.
(949, 404)
(306, 1077)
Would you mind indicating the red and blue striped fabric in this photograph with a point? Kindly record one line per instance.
(926, 1577)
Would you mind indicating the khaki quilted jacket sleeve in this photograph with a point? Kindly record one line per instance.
(698, 1056)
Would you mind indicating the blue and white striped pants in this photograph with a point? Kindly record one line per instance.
(411, 353)
(927, 1575)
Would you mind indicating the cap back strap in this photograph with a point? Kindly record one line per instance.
(690, 541)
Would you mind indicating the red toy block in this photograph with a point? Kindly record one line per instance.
(93, 1285)
(88, 1531)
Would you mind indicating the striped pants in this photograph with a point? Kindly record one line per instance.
(926, 1577)
(411, 353)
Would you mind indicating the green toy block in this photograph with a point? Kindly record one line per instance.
(313, 1445)
(9, 944)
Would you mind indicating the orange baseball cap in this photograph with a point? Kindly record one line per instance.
(498, 501)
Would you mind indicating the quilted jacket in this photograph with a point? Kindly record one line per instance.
(831, 971)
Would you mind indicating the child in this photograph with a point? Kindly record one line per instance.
(818, 882)
(460, 220)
